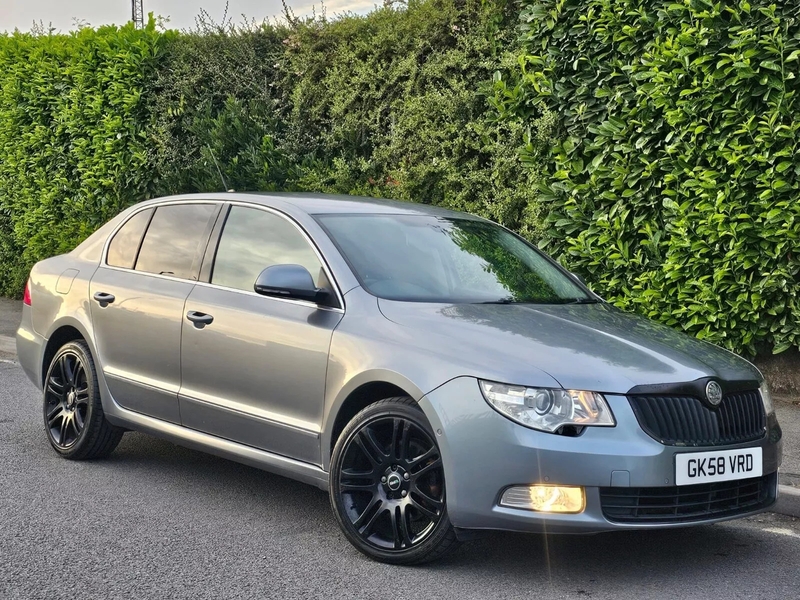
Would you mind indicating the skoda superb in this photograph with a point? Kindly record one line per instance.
(434, 372)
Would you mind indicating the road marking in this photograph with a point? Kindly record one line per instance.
(782, 531)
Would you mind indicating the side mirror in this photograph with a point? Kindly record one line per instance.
(289, 281)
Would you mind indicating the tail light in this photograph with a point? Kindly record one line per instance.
(26, 299)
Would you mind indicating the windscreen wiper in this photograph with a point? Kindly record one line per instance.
(499, 301)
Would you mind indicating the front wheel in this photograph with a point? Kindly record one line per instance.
(387, 485)
(73, 414)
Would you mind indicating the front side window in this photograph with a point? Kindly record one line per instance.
(253, 240)
(426, 258)
(172, 242)
(123, 248)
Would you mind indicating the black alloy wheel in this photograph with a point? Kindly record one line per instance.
(73, 413)
(67, 400)
(387, 485)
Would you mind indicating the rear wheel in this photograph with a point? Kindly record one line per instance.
(73, 414)
(387, 485)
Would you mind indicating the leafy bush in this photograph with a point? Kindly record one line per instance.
(390, 105)
(649, 144)
(73, 148)
(214, 109)
(673, 183)
(386, 104)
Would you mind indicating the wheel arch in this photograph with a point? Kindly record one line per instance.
(64, 331)
(360, 392)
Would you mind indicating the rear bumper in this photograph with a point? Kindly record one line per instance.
(484, 453)
(30, 348)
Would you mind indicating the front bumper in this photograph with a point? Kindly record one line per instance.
(484, 453)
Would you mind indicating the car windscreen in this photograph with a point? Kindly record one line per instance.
(427, 258)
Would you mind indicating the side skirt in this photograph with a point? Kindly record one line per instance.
(260, 459)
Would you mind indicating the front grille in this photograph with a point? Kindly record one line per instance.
(687, 503)
(686, 421)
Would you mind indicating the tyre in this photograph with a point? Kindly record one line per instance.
(73, 414)
(387, 485)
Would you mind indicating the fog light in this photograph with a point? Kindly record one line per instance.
(545, 498)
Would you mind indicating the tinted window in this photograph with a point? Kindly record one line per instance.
(253, 240)
(123, 248)
(442, 259)
(171, 243)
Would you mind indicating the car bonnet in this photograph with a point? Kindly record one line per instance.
(582, 346)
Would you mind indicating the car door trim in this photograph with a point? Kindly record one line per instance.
(305, 303)
(206, 442)
(158, 386)
(306, 427)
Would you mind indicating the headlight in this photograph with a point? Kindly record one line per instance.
(766, 397)
(548, 409)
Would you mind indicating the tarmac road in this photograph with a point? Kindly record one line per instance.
(159, 521)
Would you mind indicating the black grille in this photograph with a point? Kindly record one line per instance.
(686, 421)
(687, 503)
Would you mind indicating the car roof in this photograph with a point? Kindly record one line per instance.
(327, 204)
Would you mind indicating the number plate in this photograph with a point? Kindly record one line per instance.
(722, 465)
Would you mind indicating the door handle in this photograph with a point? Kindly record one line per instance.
(199, 319)
(103, 298)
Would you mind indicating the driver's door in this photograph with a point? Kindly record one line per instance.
(255, 373)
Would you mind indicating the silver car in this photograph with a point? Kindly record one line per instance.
(433, 371)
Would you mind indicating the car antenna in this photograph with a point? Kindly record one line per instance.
(216, 164)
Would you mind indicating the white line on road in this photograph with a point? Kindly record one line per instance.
(782, 531)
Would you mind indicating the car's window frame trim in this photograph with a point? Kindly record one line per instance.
(207, 264)
(141, 239)
(214, 238)
(116, 232)
(194, 270)
(217, 236)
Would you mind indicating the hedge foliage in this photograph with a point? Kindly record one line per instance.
(674, 182)
(649, 144)
(387, 104)
(216, 122)
(73, 146)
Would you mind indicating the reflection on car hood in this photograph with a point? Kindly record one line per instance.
(585, 346)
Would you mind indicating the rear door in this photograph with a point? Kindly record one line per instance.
(137, 297)
(255, 374)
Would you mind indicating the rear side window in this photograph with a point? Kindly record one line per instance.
(123, 248)
(253, 240)
(171, 245)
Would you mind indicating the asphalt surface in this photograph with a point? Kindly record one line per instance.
(10, 311)
(159, 521)
(10, 315)
(788, 411)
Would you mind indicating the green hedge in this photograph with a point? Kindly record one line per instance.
(73, 150)
(216, 120)
(674, 182)
(649, 145)
(390, 105)
(387, 104)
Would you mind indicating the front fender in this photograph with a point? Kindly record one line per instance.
(376, 375)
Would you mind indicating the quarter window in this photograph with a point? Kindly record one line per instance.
(172, 242)
(253, 240)
(123, 248)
